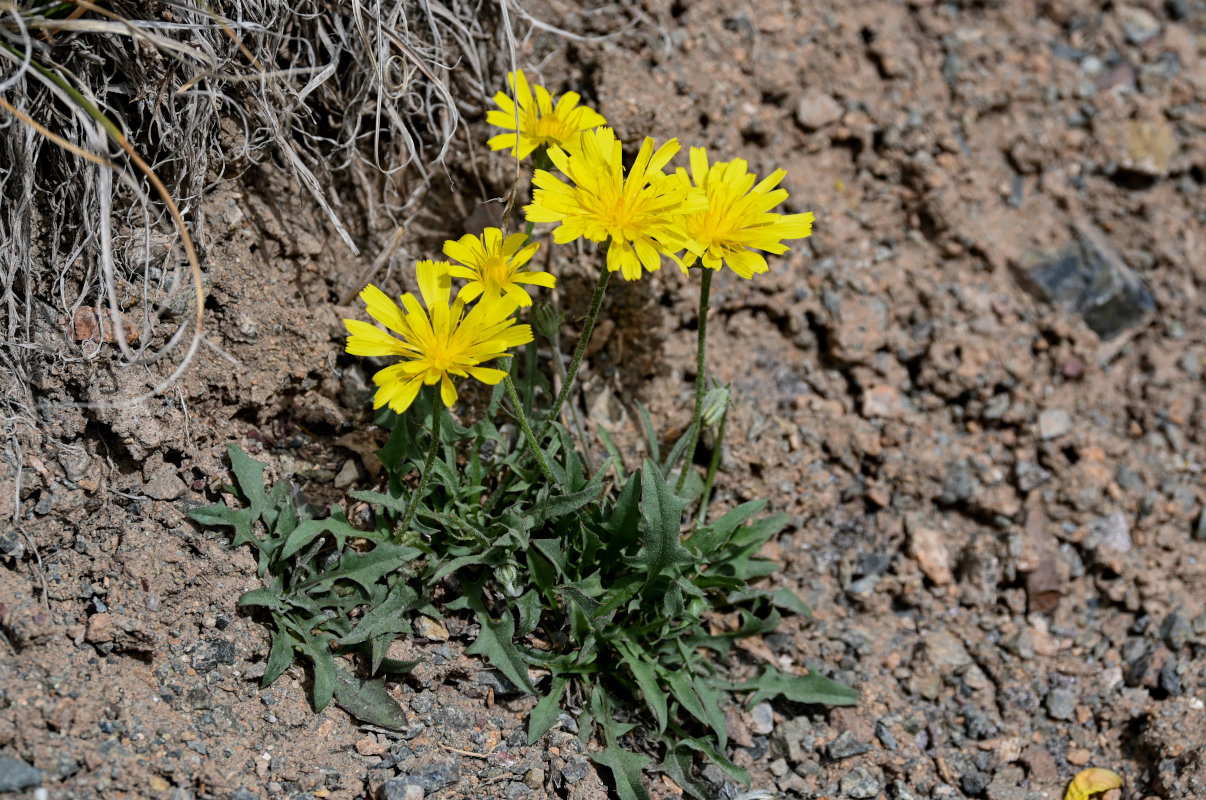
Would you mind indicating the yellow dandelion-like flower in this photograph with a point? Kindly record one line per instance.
(540, 123)
(495, 265)
(738, 221)
(436, 344)
(638, 213)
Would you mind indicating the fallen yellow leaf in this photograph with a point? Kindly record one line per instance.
(1092, 781)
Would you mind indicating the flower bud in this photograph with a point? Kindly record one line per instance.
(507, 576)
(715, 404)
(546, 320)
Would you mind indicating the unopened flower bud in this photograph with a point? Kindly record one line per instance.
(507, 576)
(715, 404)
(546, 320)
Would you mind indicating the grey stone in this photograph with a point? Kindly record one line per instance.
(795, 739)
(1005, 784)
(945, 651)
(846, 746)
(422, 702)
(884, 734)
(516, 789)
(859, 783)
(434, 775)
(817, 110)
(401, 789)
(16, 775)
(452, 718)
(575, 770)
(763, 719)
(1112, 533)
(974, 782)
(960, 483)
(1054, 422)
(213, 652)
(164, 485)
(1138, 24)
(1061, 704)
(1176, 630)
(493, 679)
(567, 723)
(1090, 278)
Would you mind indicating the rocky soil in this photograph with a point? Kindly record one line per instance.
(977, 389)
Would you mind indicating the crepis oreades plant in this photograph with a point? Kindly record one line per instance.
(585, 583)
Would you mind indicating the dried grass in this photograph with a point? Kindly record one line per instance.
(343, 96)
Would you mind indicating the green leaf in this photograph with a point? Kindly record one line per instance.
(392, 502)
(337, 525)
(625, 766)
(678, 766)
(250, 476)
(644, 670)
(676, 452)
(386, 617)
(529, 607)
(563, 505)
(686, 692)
(650, 434)
(612, 450)
(496, 640)
(280, 656)
(368, 701)
(324, 668)
(545, 714)
(663, 513)
(788, 600)
(365, 569)
(811, 688)
(270, 597)
(716, 534)
(717, 757)
(220, 515)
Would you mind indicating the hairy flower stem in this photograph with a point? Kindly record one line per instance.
(596, 302)
(533, 444)
(701, 378)
(437, 419)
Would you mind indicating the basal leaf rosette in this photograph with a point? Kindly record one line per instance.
(737, 222)
(535, 120)
(435, 341)
(636, 212)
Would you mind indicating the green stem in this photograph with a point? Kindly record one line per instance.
(527, 230)
(579, 430)
(527, 432)
(701, 377)
(596, 302)
(713, 465)
(437, 418)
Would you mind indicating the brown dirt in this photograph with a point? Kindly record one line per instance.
(996, 511)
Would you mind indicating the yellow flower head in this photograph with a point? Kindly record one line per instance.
(494, 265)
(434, 344)
(540, 123)
(738, 221)
(638, 213)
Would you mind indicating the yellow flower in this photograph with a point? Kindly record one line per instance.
(637, 213)
(434, 344)
(494, 265)
(540, 123)
(738, 221)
